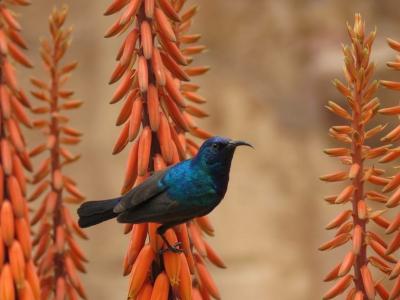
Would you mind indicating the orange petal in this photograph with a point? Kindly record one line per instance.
(362, 209)
(345, 194)
(23, 235)
(15, 135)
(173, 67)
(205, 225)
(135, 118)
(16, 197)
(185, 280)
(335, 242)
(154, 238)
(131, 169)
(123, 87)
(146, 39)
(130, 11)
(144, 151)
(17, 263)
(339, 219)
(158, 67)
(207, 281)
(197, 239)
(6, 159)
(138, 238)
(394, 244)
(153, 107)
(145, 292)
(115, 6)
(394, 225)
(184, 239)
(380, 250)
(161, 288)
(175, 113)
(143, 75)
(173, 91)
(394, 199)
(172, 261)
(140, 270)
(122, 140)
(164, 25)
(340, 286)
(129, 47)
(333, 274)
(169, 10)
(368, 282)
(7, 291)
(7, 223)
(164, 137)
(213, 256)
(149, 8)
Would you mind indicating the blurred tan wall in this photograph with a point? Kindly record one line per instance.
(272, 62)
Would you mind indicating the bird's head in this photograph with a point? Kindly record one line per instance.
(217, 152)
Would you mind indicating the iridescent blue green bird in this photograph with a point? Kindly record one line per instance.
(189, 189)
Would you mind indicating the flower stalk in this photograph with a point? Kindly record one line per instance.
(57, 254)
(18, 274)
(393, 226)
(364, 182)
(159, 103)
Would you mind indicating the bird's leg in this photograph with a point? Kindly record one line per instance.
(175, 248)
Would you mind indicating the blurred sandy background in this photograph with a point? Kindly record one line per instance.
(272, 62)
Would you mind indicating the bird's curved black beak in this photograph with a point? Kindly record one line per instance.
(239, 143)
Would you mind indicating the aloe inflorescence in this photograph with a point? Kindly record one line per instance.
(58, 256)
(365, 181)
(160, 103)
(18, 275)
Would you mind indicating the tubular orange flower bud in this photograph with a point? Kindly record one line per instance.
(207, 281)
(161, 287)
(213, 256)
(368, 283)
(153, 106)
(140, 269)
(172, 261)
(17, 263)
(145, 292)
(338, 288)
(7, 223)
(346, 264)
(6, 284)
(394, 225)
(395, 291)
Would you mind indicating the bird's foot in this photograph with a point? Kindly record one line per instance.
(175, 248)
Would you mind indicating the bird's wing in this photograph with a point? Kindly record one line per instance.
(145, 191)
(161, 208)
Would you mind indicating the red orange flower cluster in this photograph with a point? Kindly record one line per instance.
(18, 275)
(154, 73)
(365, 182)
(58, 256)
(393, 227)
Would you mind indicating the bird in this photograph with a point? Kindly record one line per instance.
(189, 189)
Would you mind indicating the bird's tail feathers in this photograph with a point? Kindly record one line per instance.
(94, 212)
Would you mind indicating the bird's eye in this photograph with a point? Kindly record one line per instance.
(215, 146)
